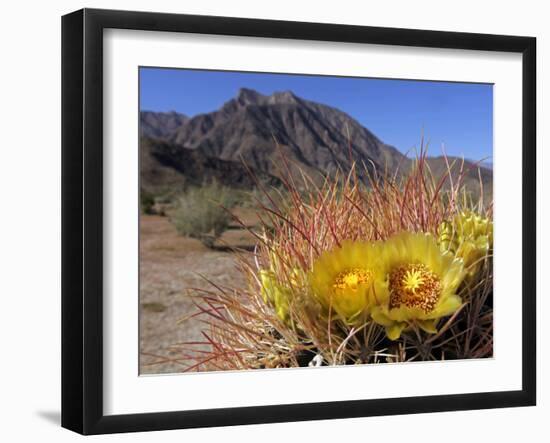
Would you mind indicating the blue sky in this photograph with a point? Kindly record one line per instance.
(458, 115)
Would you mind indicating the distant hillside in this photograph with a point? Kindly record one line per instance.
(160, 124)
(260, 131)
(164, 165)
(471, 172)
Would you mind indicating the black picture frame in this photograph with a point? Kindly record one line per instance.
(82, 219)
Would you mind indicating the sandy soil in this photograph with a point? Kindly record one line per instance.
(169, 266)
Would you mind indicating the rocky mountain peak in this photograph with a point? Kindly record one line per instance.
(247, 96)
(283, 97)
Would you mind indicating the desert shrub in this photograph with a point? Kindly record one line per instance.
(147, 201)
(168, 194)
(201, 212)
(264, 197)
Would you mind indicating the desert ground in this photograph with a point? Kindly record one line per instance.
(170, 265)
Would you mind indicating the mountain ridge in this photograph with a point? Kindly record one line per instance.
(261, 130)
(160, 124)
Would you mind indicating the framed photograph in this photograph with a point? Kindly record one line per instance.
(269, 221)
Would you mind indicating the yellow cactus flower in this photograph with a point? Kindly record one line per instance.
(468, 236)
(344, 279)
(421, 284)
(276, 293)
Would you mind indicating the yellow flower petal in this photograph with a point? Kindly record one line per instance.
(469, 236)
(379, 317)
(449, 305)
(428, 326)
(343, 280)
(394, 331)
(420, 283)
(275, 294)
